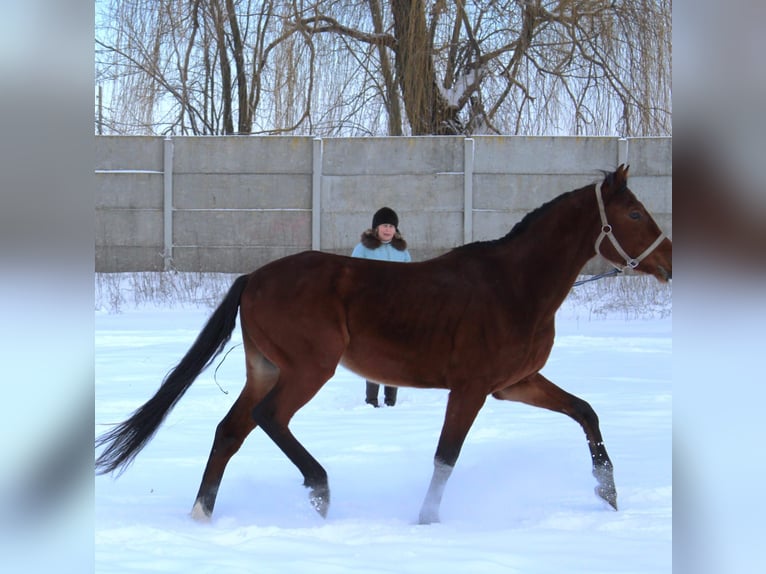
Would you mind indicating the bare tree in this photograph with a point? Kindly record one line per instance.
(331, 67)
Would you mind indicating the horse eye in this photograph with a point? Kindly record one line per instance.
(635, 215)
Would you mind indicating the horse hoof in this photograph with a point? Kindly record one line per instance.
(606, 490)
(609, 494)
(199, 513)
(320, 500)
(428, 518)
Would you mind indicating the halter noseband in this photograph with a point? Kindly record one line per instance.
(606, 231)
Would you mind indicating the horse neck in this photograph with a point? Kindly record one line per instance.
(550, 253)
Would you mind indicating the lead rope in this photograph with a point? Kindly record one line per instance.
(611, 273)
(215, 379)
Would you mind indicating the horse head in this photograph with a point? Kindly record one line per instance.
(635, 239)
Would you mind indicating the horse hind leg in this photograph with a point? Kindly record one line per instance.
(273, 415)
(229, 436)
(232, 431)
(541, 392)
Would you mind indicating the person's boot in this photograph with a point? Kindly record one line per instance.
(389, 396)
(372, 394)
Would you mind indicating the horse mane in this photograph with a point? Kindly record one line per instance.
(519, 228)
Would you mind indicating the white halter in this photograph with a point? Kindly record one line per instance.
(606, 231)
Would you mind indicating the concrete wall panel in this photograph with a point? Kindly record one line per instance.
(544, 155)
(240, 201)
(128, 153)
(129, 190)
(120, 258)
(223, 228)
(129, 227)
(242, 154)
(380, 156)
(650, 156)
(241, 191)
(228, 259)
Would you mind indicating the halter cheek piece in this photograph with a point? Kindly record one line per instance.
(606, 231)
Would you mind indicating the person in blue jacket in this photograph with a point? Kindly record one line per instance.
(383, 242)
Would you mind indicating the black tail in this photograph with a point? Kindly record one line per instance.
(126, 439)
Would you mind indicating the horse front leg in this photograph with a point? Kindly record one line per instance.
(538, 391)
(462, 409)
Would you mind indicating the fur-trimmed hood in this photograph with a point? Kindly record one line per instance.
(370, 241)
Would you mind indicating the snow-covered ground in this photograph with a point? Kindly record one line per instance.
(520, 499)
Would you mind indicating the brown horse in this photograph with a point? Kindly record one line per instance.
(478, 320)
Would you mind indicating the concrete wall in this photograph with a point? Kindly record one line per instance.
(231, 204)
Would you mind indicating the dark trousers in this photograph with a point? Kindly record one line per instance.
(389, 394)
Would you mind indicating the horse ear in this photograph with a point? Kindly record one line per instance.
(621, 176)
(622, 172)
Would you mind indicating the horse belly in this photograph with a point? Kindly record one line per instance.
(391, 369)
(502, 361)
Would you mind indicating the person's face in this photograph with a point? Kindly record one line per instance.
(386, 232)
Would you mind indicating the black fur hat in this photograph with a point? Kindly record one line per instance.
(385, 215)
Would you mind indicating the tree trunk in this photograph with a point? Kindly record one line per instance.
(391, 96)
(414, 66)
(244, 123)
(220, 32)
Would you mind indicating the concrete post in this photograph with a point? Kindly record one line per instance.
(468, 151)
(316, 196)
(167, 204)
(622, 151)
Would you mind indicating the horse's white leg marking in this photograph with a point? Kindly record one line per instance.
(198, 513)
(429, 512)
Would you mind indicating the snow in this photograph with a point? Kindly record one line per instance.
(519, 500)
(462, 85)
